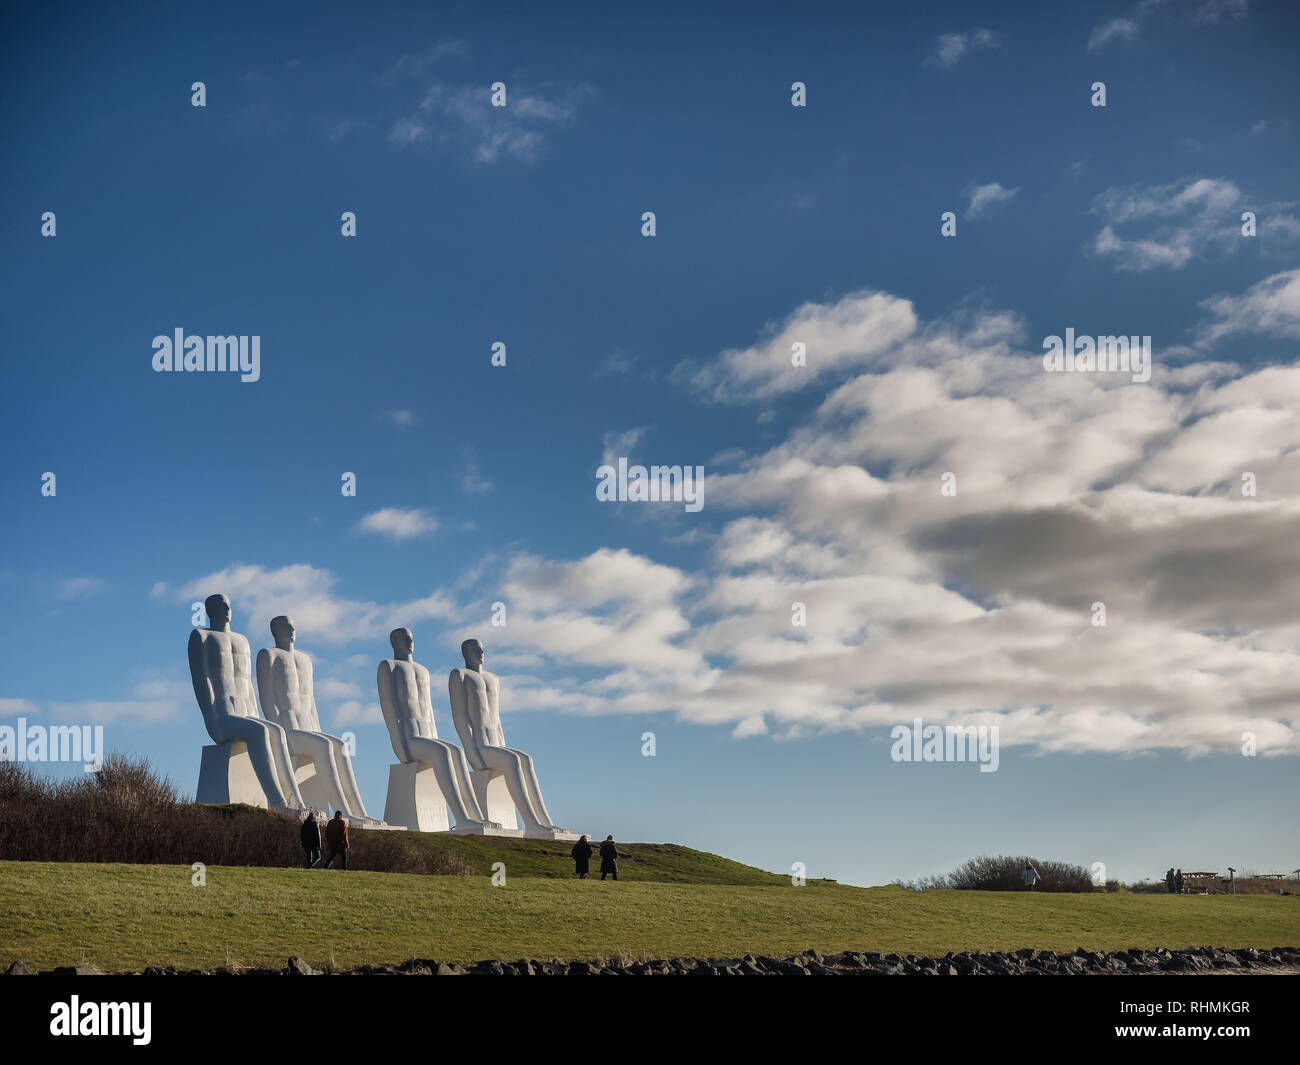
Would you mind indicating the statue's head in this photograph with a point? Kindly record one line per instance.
(403, 642)
(282, 631)
(217, 608)
(472, 651)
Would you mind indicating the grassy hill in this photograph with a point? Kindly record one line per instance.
(659, 862)
(125, 917)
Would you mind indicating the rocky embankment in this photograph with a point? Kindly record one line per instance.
(1024, 962)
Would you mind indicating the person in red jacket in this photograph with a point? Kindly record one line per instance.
(336, 839)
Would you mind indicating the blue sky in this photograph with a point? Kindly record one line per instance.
(775, 224)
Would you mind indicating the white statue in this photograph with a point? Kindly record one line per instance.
(221, 669)
(284, 682)
(405, 699)
(476, 711)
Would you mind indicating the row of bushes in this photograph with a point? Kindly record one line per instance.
(1005, 873)
(126, 812)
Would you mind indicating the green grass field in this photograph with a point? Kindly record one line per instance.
(124, 917)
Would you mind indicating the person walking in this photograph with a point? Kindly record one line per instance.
(608, 858)
(1178, 882)
(336, 839)
(581, 854)
(1030, 875)
(1169, 880)
(310, 836)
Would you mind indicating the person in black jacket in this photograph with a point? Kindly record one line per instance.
(608, 858)
(310, 836)
(581, 857)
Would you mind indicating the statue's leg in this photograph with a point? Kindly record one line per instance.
(343, 762)
(466, 787)
(261, 753)
(529, 772)
(438, 755)
(279, 740)
(508, 761)
(318, 749)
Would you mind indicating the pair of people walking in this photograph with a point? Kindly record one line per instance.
(336, 839)
(1174, 881)
(582, 853)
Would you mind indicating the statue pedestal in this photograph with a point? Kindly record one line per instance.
(226, 775)
(494, 797)
(414, 798)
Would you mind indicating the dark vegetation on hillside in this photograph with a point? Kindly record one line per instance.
(127, 812)
(1004, 873)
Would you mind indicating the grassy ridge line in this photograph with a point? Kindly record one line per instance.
(662, 862)
(125, 917)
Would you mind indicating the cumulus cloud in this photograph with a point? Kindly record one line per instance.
(985, 197)
(399, 523)
(308, 594)
(852, 332)
(973, 608)
(950, 48)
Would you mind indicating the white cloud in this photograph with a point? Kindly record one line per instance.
(950, 48)
(151, 701)
(462, 117)
(1191, 219)
(81, 587)
(356, 712)
(1127, 28)
(620, 445)
(333, 688)
(403, 419)
(472, 481)
(985, 197)
(854, 332)
(399, 523)
(307, 594)
(1116, 29)
(1271, 306)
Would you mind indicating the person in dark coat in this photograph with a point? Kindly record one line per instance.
(1178, 882)
(1169, 880)
(581, 857)
(608, 858)
(336, 839)
(310, 836)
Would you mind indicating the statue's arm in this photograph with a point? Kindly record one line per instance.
(314, 724)
(266, 685)
(199, 673)
(494, 694)
(461, 717)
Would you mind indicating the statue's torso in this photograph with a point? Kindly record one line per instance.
(291, 685)
(228, 663)
(483, 704)
(414, 700)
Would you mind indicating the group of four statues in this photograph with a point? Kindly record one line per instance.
(284, 760)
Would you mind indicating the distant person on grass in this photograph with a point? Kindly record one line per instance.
(581, 857)
(310, 835)
(608, 858)
(1178, 882)
(1030, 875)
(1169, 880)
(336, 839)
